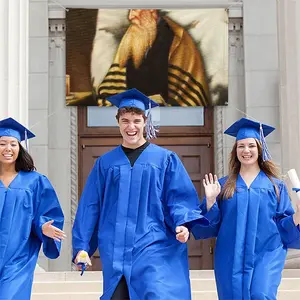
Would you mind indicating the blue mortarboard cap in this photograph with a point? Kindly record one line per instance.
(12, 128)
(132, 98)
(245, 128)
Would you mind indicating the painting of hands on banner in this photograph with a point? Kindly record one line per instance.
(176, 57)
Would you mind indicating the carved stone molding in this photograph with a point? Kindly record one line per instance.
(74, 163)
(219, 141)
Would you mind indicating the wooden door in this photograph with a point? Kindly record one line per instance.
(194, 146)
(197, 161)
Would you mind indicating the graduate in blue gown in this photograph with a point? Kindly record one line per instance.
(257, 223)
(136, 198)
(30, 214)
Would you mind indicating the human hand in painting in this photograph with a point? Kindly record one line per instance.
(212, 189)
(296, 216)
(182, 234)
(53, 232)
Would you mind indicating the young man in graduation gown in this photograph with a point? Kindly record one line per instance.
(257, 223)
(30, 214)
(136, 198)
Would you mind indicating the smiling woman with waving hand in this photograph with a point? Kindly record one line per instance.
(256, 222)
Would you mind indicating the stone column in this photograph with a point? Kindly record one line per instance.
(38, 93)
(289, 91)
(289, 64)
(14, 33)
(61, 142)
(261, 68)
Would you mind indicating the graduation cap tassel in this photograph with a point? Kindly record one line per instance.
(26, 139)
(151, 129)
(265, 152)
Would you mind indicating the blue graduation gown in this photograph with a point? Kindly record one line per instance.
(133, 212)
(253, 234)
(25, 206)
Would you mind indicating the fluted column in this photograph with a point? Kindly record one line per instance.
(14, 59)
(289, 90)
(3, 57)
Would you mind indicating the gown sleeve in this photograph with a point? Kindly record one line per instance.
(85, 228)
(214, 218)
(290, 233)
(48, 209)
(180, 196)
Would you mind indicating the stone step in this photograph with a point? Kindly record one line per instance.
(97, 276)
(72, 286)
(197, 284)
(207, 295)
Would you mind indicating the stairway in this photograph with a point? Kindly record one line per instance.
(71, 286)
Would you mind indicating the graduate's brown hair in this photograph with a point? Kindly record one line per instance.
(24, 162)
(268, 167)
(133, 110)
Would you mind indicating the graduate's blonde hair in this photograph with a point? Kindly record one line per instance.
(268, 167)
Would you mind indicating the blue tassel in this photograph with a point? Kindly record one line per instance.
(26, 140)
(265, 152)
(83, 267)
(151, 129)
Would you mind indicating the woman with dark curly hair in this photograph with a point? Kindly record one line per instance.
(256, 220)
(30, 214)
